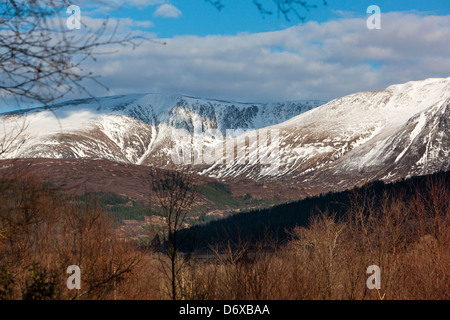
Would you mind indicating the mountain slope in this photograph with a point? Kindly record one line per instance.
(254, 226)
(131, 128)
(385, 134)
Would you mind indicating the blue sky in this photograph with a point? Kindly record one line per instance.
(200, 18)
(238, 55)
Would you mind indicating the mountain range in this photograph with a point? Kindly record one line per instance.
(386, 134)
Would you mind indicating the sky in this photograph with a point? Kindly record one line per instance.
(237, 54)
(196, 17)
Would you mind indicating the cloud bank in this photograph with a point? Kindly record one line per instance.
(311, 61)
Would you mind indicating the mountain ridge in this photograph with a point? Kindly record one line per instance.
(364, 133)
(145, 115)
(384, 134)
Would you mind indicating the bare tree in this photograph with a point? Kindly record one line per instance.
(11, 136)
(41, 58)
(44, 232)
(174, 195)
(285, 8)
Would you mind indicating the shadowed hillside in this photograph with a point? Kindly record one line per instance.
(275, 222)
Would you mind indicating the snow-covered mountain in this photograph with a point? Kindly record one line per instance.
(385, 134)
(134, 128)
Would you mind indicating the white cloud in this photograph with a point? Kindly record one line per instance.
(120, 26)
(311, 61)
(167, 11)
